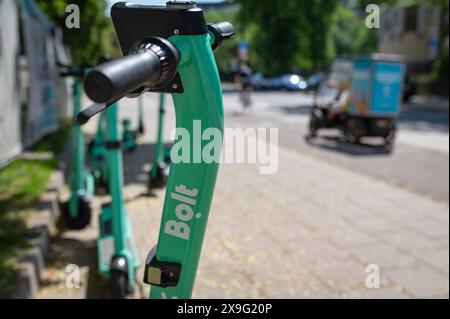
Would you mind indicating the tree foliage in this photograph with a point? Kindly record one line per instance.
(284, 35)
(289, 33)
(228, 52)
(94, 38)
(350, 35)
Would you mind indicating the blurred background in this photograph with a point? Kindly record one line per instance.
(332, 209)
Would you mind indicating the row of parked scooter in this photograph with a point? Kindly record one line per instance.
(102, 171)
(167, 50)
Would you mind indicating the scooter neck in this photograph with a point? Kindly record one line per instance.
(200, 104)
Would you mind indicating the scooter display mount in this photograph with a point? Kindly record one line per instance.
(136, 22)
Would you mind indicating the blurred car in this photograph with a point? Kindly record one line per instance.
(409, 89)
(289, 82)
(314, 81)
(259, 82)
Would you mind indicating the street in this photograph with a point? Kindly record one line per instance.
(422, 143)
(312, 229)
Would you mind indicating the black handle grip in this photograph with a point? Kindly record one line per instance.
(221, 31)
(227, 30)
(116, 79)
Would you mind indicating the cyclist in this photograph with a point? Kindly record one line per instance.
(243, 82)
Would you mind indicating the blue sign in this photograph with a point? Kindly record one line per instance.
(387, 87)
(376, 88)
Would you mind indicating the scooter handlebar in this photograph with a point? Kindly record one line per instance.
(226, 29)
(116, 79)
(221, 31)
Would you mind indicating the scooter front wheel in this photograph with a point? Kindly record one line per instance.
(160, 179)
(101, 185)
(119, 285)
(129, 141)
(83, 215)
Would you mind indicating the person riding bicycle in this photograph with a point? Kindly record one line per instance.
(243, 81)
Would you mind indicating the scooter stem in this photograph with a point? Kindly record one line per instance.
(201, 101)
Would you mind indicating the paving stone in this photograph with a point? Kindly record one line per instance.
(380, 293)
(408, 241)
(385, 256)
(437, 258)
(420, 281)
(316, 251)
(376, 225)
(350, 237)
(430, 228)
(341, 275)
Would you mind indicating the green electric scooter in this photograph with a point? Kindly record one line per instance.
(97, 148)
(77, 211)
(169, 49)
(118, 259)
(97, 155)
(130, 136)
(117, 255)
(159, 172)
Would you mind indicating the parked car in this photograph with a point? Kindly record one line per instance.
(314, 81)
(289, 82)
(259, 82)
(409, 89)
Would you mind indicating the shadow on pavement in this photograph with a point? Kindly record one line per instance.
(336, 144)
(67, 251)
(297, 110)
(237, 114)
(137, 166)
(425, 120)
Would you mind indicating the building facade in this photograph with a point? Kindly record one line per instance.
(412, 31)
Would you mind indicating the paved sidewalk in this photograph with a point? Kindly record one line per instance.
(309, 231)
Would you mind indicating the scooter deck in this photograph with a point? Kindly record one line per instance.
(105, 243)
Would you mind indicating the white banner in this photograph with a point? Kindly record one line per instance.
(42, 116)
(63, 85)
(10, 137)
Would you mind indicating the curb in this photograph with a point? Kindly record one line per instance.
(42, 221)
(428, 103)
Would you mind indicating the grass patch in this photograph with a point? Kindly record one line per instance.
(22, 184)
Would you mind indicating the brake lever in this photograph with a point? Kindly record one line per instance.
(62, 65)
(88, 113)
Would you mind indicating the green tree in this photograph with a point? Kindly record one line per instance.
(350, 35)
(94, 38)
(228, 51)
(317, 18)
(289, 33)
